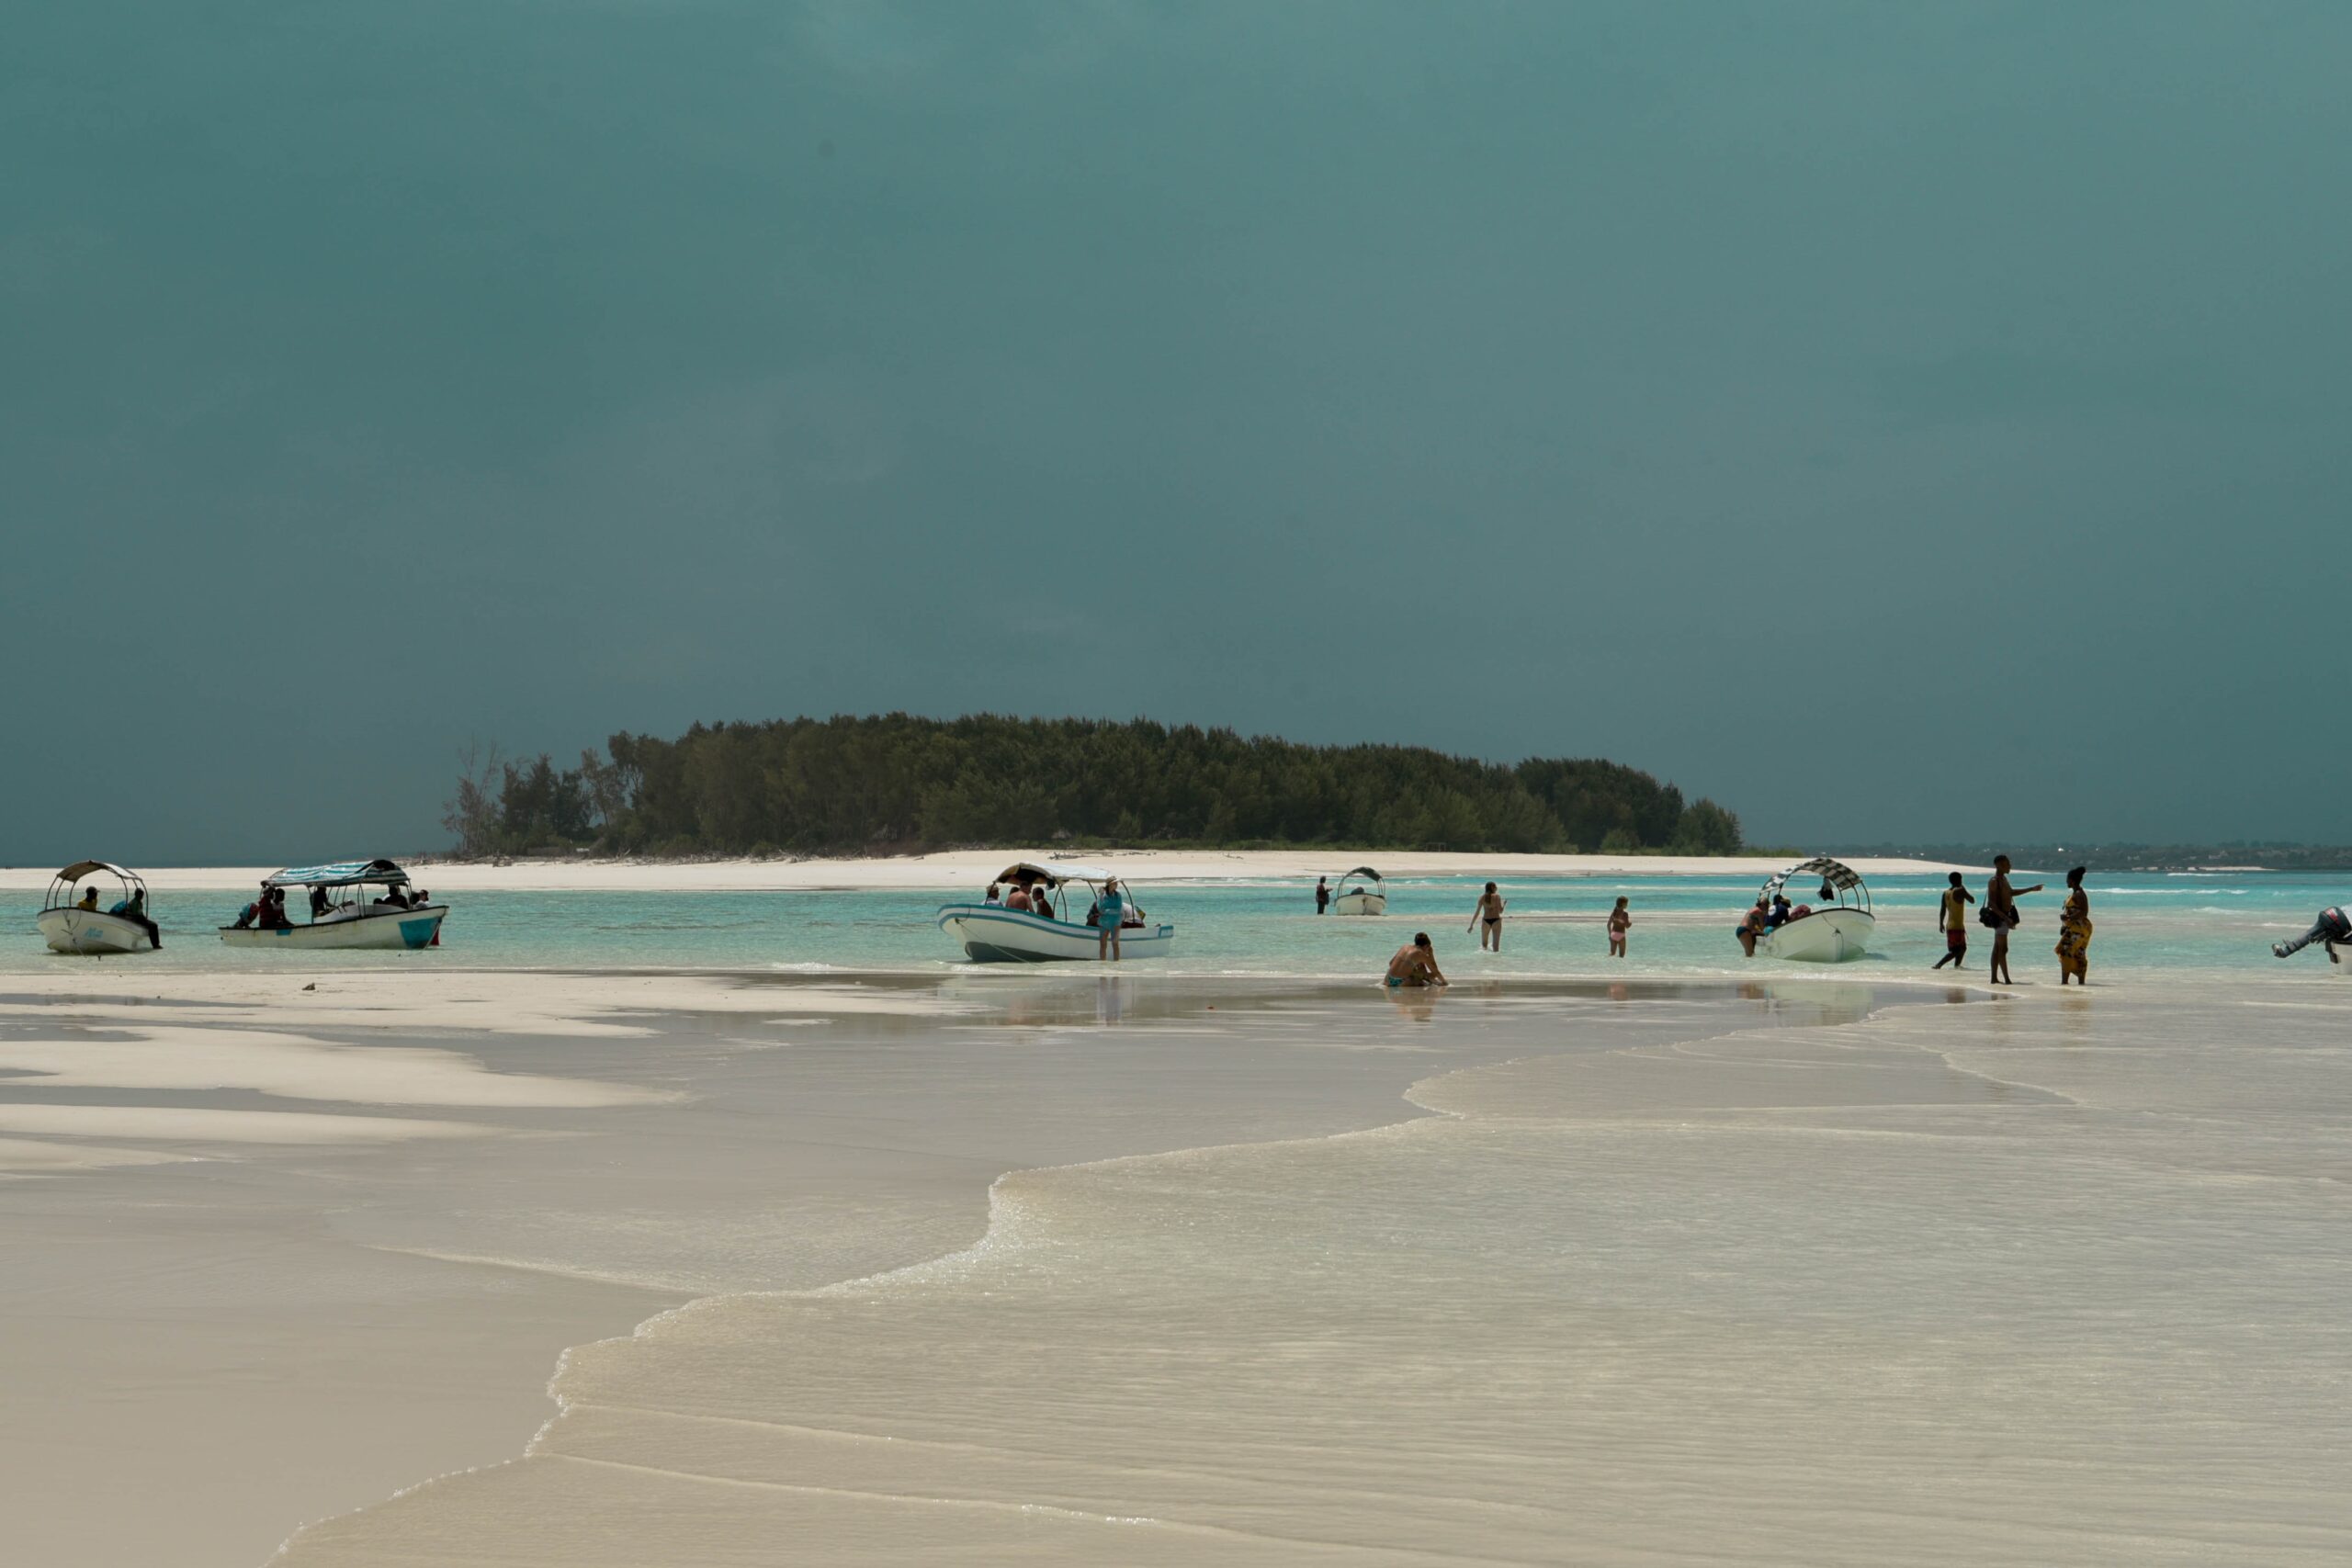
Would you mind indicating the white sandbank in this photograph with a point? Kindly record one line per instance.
(963, 868)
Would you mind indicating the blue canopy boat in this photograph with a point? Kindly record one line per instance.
(394, 918)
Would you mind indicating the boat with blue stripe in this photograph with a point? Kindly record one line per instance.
(396, 918)
(999, 931)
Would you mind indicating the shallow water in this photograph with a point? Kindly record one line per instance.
(1682, 925)
(2056, 1281)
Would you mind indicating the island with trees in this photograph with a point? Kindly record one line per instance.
(897, 783)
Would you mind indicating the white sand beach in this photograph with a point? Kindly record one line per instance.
(1833, 1268)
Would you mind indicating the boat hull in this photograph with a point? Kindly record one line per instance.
(1359, 904)
(1826, 936)
(392, 929)
(91, 930)
(991, 935)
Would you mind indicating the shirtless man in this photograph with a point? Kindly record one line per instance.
(1415, 965)
(2001, 902)
(1488, 920)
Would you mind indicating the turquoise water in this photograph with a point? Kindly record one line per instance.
(1682, 925)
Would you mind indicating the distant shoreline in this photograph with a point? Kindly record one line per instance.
(959, 868)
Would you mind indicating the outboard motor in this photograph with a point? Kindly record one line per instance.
(2332, 927)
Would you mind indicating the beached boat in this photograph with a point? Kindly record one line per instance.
(1362, 892)
(68, 926)
(1835, 927)
(393, 920)
(992, 933)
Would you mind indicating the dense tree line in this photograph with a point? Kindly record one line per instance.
(897, 783)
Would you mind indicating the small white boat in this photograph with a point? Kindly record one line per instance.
(70, 924)
(1835, 927)
(992, 933)
(1362, 892)
(392, 919)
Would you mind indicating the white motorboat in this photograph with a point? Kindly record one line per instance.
(1362, 892)
(1835, 927)
(992, 933)
(394, 918)
(71, 923)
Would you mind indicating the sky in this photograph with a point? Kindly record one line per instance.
(1921, 422)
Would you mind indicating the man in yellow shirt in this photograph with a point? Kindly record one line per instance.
(1952, 917)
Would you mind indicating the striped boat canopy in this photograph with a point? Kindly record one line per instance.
(1837, 878)
(340, 874)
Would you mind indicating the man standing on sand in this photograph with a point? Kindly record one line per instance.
(1415, 965)
(1322, 896)
(1951, 917)
(2001, 912)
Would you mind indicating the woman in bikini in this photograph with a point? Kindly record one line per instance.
(1619, 921)
(1488, 920)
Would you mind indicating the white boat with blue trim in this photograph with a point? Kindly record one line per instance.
(396, 918)
(1006, 933)
(71, 923)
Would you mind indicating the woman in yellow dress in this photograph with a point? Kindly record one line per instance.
(2074, 931)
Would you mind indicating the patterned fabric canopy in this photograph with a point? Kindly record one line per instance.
(340, 873)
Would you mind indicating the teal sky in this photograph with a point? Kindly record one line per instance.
(1896, 420)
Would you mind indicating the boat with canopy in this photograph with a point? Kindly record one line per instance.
(1837, 926)
(1362, 892)
(88, 921)
(1001, 933)
(394, 918)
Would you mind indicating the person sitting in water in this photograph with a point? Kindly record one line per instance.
(1415, 965)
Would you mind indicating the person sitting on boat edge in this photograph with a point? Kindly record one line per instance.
(996, 894)
(1018, 899)
(320, 905)
(1779, 915)
(1040, 904)
(135, 909)
(1415, 965)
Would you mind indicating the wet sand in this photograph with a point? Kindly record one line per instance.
(1032, 1267)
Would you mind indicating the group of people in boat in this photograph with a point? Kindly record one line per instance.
(267, 911)
(133, 908)
(1111, 913)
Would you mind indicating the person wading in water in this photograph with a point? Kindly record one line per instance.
(1952, 917)
(1488, 920)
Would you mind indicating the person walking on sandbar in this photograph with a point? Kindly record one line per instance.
(2074, 931)
(2001, 914)
(1951, 917)
(1488, 920)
